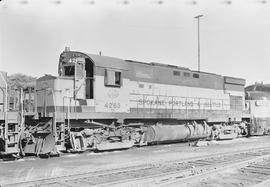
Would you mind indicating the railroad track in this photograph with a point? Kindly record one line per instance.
(160, 174)
(255, 172)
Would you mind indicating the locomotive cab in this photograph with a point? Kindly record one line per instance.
(81, 70)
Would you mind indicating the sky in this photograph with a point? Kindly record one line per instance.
(234, 34)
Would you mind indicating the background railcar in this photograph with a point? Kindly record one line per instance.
(9, 119)
(258, 105)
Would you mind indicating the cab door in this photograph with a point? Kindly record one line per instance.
(79, 80)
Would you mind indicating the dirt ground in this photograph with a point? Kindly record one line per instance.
(28, 169)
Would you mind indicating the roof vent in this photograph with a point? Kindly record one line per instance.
(67, 49)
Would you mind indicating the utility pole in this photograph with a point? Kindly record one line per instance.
(198, 19)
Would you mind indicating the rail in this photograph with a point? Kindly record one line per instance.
(155, 174)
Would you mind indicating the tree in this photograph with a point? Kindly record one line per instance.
(18, 80)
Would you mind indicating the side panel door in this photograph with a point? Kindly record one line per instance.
(79, 82)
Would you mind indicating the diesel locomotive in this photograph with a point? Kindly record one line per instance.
(258, 105)
(105, 103)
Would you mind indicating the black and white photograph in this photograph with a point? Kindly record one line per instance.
(134, 93)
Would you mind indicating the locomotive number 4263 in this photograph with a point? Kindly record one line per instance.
(113, 105)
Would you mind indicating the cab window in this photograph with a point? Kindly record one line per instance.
(113, 78)
(69, 70)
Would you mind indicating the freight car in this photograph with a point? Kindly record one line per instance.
(105, 103)
(10, 121)
(258, 105)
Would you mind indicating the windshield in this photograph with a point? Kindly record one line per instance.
(69, 70)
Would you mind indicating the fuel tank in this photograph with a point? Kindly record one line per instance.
(166, 133)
